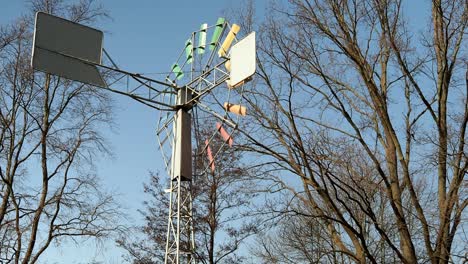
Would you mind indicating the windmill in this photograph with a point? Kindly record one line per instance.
(212, 56)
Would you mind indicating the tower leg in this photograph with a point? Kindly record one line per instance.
(180, 242)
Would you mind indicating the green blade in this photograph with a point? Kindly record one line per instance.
(177, 71)
(189, 51)
(217, 32)
(202, 38)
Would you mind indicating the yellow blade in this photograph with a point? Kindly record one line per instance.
(228, 40)
(236, 109)
(228, 65)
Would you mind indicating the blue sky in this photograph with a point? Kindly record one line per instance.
(143, 36)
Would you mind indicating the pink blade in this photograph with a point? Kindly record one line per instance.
(227, 138)
(210, 156)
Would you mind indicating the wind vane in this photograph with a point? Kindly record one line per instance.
(186, 98)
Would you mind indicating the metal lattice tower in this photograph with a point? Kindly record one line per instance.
(180, 242)
(74, 51)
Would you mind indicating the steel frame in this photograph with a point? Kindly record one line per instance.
(180, 239)
(180, 242)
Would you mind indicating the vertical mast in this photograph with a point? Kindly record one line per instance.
(180, 242)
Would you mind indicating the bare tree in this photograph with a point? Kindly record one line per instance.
(146, 244)
(297, 238)
(50, 133)
(223, 199)
(220, 200)
(362, 123)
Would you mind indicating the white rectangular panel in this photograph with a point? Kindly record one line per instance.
(243, 60)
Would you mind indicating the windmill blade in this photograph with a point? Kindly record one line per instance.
(228, 40)
(202, 38)
(177, 71)
(209, 154)
(227, 65)
(217, 32)
(236, 109)
(224, 134)
(189, 51)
